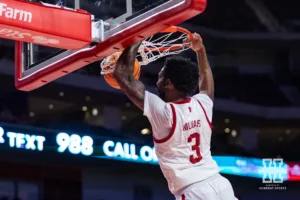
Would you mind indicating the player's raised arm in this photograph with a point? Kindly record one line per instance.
(134, 89)
(206, 80)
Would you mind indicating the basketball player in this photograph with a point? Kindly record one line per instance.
(181, 124)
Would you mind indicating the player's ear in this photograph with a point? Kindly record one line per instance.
(168, 83)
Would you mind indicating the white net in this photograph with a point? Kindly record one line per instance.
(151, 49)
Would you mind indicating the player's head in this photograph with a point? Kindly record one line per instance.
(178, 77)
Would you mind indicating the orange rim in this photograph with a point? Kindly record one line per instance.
(172, 29)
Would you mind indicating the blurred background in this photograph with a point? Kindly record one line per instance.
(253, 48)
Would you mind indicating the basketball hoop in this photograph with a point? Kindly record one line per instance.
(167, 42)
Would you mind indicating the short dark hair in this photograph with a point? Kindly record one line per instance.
(183, 73)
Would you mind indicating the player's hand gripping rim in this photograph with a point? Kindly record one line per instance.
(196, 44)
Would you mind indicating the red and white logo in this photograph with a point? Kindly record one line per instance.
(43, 40)
(294, 171)
(16, 35)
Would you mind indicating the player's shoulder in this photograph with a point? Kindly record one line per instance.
(152, 102)
(203, 99)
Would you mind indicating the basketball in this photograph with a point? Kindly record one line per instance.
(111, 61)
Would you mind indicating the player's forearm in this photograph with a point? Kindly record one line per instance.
(125, 65)
(206, 80)
(134, 89)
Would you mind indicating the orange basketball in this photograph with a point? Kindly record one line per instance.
(111, 62)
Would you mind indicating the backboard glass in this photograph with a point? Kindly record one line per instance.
(115, 24)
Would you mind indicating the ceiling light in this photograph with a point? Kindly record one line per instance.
(51, 106)
(227, 130)
(145, 131)
(95, 111)
(233, 133)
(84, 108)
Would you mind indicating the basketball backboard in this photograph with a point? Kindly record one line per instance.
(114, 25)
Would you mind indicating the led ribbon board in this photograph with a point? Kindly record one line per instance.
(97, 147)
(87, 145)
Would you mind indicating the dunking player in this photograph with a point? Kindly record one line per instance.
(181, 124)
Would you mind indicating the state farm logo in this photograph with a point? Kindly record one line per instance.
(12, 13)
(8, 33)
